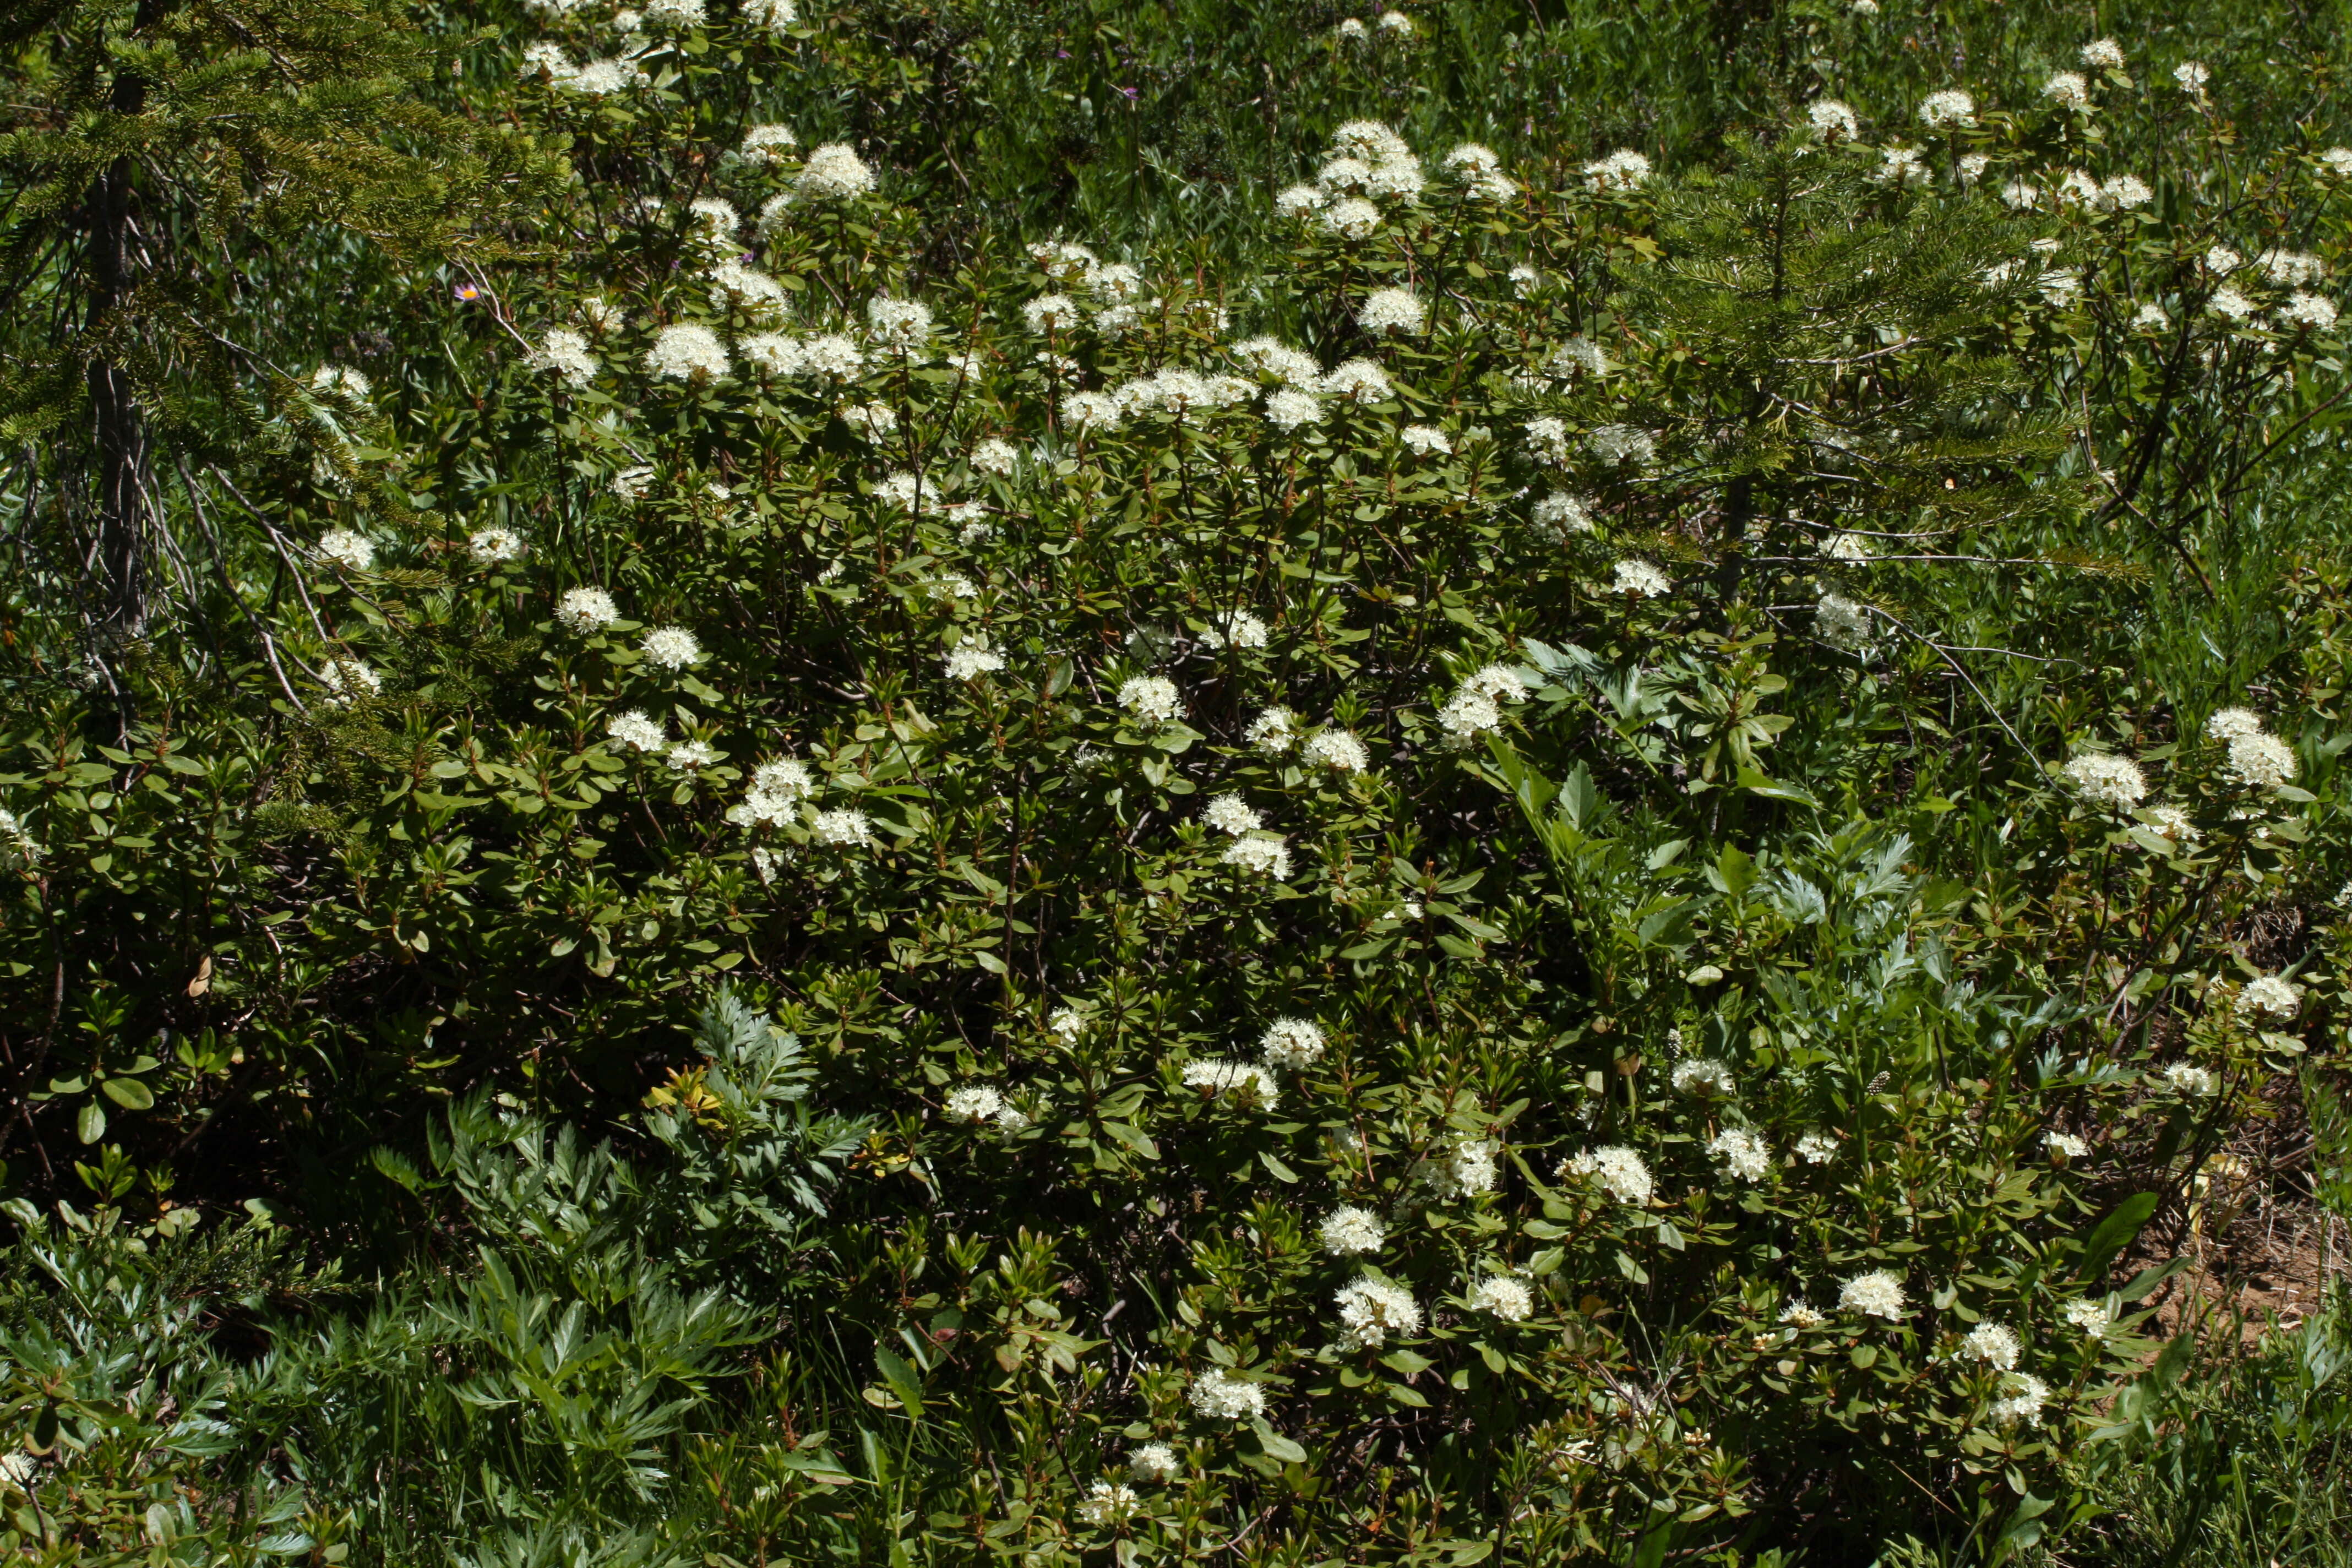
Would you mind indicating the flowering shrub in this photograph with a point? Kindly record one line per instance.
(1518, 885)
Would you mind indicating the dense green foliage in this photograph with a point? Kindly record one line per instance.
(951, 837)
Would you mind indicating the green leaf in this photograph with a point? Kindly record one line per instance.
(1276, 1168)
(90, 1125)
(128, 1093)
(2116, 1232)
(1277, 1445)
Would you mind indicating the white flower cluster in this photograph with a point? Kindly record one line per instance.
(1619, 1170)
(1108, 1503)
(2258, 759)
(1215, 1077)
(1624, 170)
(1877, 1294)
(1466, 1169)
(1502, 1297)
(984, 1102)
(775, 794)
(563, 352)
(1703, 1078)
(2111, 782)
(1349, 1231)
(1743, 1153)
(1479, 173)
(1473, 708)
(1154, 1463)
(1219, 1396)
(1370, 1309)
(1368, 163)
(2271, 996)
(1290, 1043)
(1995, 1344)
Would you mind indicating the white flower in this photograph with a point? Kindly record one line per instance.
(638, 730)
(2068, 90)
(2124, 193)
(1467, 1170)
(1219, 1396)
(1228, 814)
(1348, 1231)
(1844, 623)
(671, 647)
(1743, 1153)
(1050, 313)
(2191, 76)
(1370, 1309)
(2091, 1317)
(1991, 1343)
(902, 489)
(1948, 109)
(2103, 54)
(1503, 1296)
(1259, 855)
(1225, 1077)
(2115, 782)
(774, 354)
(1067, 1025)
(634, 484)
(1152, 698)
(1564, 513)
(340, 382)
(2189, 1079)
(2061, 286)
(2066, 1146)
(1091, 411)
(1877, 1294)
(2231, 723)
(1470, 162)
(585, 610)
(1153, 1462)
(2309, 310)
(2261, 762)
(1108, 1503)
(901, 326)
(1298, 201)
(1578, 356)
(687, 756)
(2270, 995)
(767, 143)
(833, 354)
(2222, 260)
(1274, 729)
(1704, 1077)
(972, 660)
(1269, 356)
(2023, 197)
(1291, 1043)
(1289, 408)
(602, 78)
(996, 457)
(1391, 311)
(1642, 580)
(1622, 444)
(1396, 24)
(1424, 439)
(1352, 218)
(347, 680)
(717, 214)
(2338, 160)
(2024, 1402)
(1972, 167)
(1816, 1148)
(344, 548)
(1397, 181)
(871, 420)
(1799, 1315)
(565, 352)
(1358, 381)
(2230, 305)
(495, 546)
(843, 828)
(1624, 170)
(1619, 1170)
(974, 1103)
(675, 13)
(1339, 750)
(1236, 628)
(686, 352)
(1371, 140)
(1469, 713)
(2150, 317)
(18, 1469)
(834, 173)
(1832, 120)
(777, 788)
(1900, 165)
